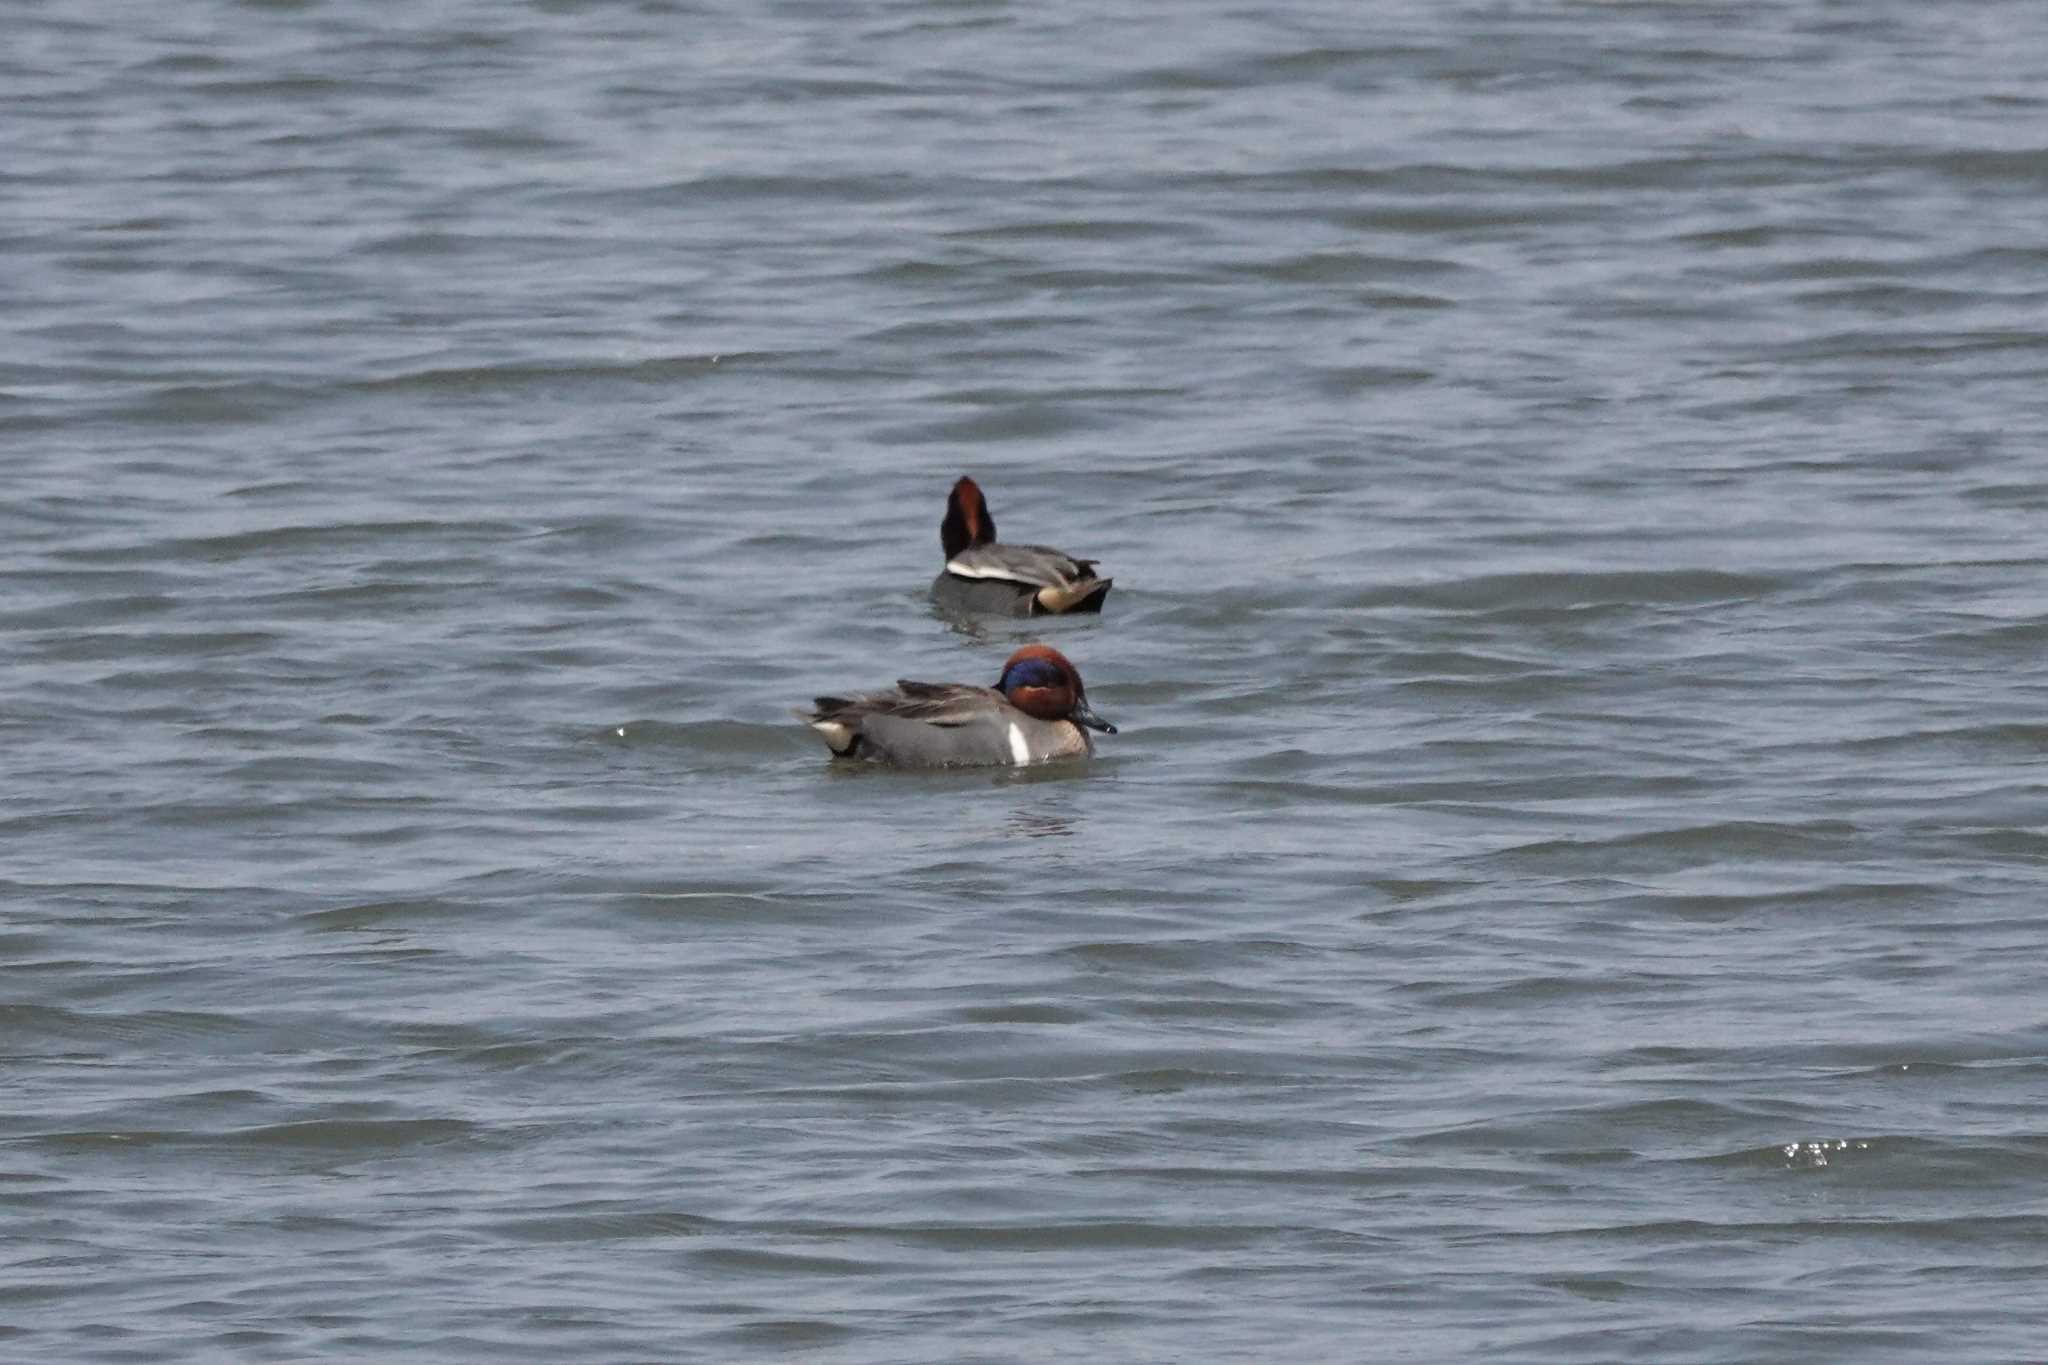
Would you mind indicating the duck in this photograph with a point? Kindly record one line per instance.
(1037, 711)
(985, 576)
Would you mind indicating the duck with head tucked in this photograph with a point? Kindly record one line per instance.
(983, 575)
(1033, 714)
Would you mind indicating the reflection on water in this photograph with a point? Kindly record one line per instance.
(1040, 824)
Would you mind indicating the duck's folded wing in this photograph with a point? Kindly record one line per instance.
(1038, 566)
(942, 703)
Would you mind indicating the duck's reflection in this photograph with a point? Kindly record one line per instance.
(1041, 824)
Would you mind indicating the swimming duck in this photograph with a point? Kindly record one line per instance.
(1008, 580)
(1034, 713)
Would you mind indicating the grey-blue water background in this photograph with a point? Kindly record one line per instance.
(1569, 886)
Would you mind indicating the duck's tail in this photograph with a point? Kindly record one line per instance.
(1081, 595)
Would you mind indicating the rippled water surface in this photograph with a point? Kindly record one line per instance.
(1570, 882)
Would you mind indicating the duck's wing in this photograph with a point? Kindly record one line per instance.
(843, 721)
(941, 703)
(931, 703)
(1037, 566)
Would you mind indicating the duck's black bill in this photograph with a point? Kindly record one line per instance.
(1084, 714)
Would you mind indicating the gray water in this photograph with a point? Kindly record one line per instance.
(1570, 883)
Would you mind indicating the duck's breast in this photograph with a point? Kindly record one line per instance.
(1032, 740)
